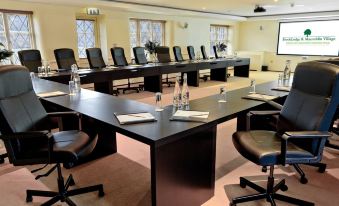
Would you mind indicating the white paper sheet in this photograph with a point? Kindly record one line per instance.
(194, 114)
(135, 118)
(51, 94)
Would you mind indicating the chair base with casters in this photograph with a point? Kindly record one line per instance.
(63, 193)
(205, 77)
(270, 193)
(168, 82)
(137, 88)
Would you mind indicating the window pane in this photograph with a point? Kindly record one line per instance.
(218, 34)
(133, 34)
(86, 36)
(20, 33)
(157, 33)
(2, 31)
(145, 32)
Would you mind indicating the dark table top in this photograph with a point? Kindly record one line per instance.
(102, 107)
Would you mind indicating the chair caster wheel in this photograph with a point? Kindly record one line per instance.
(264, 169)
(138, 91)
(101, 193)
(322, 169)
(284, 188)
(71, 182)
(303, 180)
(232, 204)
(242, 184)
(2, 160)
(29, 199)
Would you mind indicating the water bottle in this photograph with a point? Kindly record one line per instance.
(287, 70)
(177, 93)
(185, 94)
(76, 78)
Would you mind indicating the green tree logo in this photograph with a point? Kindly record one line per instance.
(307, 32)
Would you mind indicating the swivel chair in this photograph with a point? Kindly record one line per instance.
(177, 54)
(139, 55)
(215, 50)
(203, 52)
(95, 59)
(119, 59)
(302, 130)
(28, 140)
(31, 59)
(65, 58)
(163, 55)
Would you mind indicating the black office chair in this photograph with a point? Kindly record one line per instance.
(215, 50)
(139, 55)
(163, 55)
(28, 140)
(191, 54)
(65, 58)
(302, 130)
(31, 59)
(177, 54)
(119, 59)
(95, 59)
(203, 52)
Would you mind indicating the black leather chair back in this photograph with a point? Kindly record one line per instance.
(118, 55)
(177, 54)
(139, 55)
(20, 108)
(331, 61)
(312, 101)
(215, 52)
(30, 59)
(163, 54)
(65, 58)
(203, 52)
(95, 59)
(191, 53)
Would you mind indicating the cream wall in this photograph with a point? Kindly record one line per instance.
(54, 27)
(260, 37)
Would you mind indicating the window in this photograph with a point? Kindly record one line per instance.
(218, 34)
(86, 30)
(16, 32)
(143, 30)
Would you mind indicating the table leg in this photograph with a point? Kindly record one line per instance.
(104, 87)
(153, 83)
(183, 171)
(219, 74)
(242, 71)
(193, 78)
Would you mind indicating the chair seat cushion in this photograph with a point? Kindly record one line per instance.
(264, 147)
(71, 145)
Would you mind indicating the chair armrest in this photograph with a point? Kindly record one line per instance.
(258, 113)
(62, 114)
(275, 105)
(26, 135)
(301, 135)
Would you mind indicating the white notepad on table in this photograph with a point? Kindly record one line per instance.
(194, 116)
(51, 94)
(260, 97)
(133, 118)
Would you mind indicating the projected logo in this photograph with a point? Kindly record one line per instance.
(308, 39)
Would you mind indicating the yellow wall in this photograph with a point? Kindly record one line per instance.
(262, 37)
(55, 27)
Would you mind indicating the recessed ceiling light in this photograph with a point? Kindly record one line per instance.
(203, 8)
(276, 0)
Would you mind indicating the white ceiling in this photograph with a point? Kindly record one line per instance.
(234, 9)
(246, 7)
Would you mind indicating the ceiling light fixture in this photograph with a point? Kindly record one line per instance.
(259, 9)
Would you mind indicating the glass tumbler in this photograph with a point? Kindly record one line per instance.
(71, 85)
(252, 86)
(222, 95)
(158, 104)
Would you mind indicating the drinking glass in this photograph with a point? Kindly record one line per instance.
(71, 86)
(252, 89)
(222, 95)
(280, 80)
(158, 104)
(41, 71)
(198, 56)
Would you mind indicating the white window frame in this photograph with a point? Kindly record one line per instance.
(96, 32)
(225, 41)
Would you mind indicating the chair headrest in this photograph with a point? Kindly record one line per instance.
(317, 78)
(14, 80)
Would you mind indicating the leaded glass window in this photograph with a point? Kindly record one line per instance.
(86, 35)
(218, 34)
(16, 33)
(142, 31)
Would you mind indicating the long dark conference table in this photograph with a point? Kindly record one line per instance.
(182, 153)
(152, 73)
